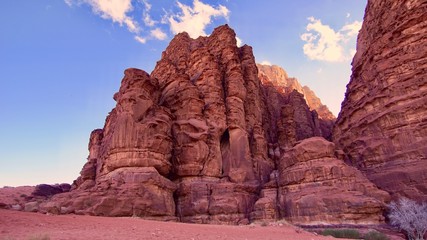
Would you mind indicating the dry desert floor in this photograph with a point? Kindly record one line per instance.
(25, 225)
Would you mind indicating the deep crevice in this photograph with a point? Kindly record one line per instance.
(225, 152)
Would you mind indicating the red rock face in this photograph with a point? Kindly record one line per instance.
(300, 104)
(280, 79)
(317, 188)
(200, 140)
(382, 126)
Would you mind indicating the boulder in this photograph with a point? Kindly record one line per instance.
(317, 188)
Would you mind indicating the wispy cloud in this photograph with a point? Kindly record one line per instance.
(194, 20)
(69, 2)
(140, 39)
(350, 30)
(115, 10)
(158, 34)
(265, 62)
(325, 44)
(148, 21)
(239, 42)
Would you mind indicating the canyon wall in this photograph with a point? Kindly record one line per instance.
(314, 118)
(279, 78)
(382, 126)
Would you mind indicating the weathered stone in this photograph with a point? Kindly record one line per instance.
(31, 207)
(312, 116)
(127, 191)
(290, 116)
(46, 190)
(266, 208)
(382, 127)
(210, 200)
(316, 188)
(199, 140)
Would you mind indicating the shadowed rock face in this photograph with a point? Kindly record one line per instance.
(200, 140)
(292, 102)
(383, 123)
(279, 78)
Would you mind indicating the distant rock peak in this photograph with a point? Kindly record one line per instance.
(279, 77)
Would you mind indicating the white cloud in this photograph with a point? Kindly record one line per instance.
(147, 5)
(69, 2)
(325, 44)
(140, 39)
(194, 20)
(347, 15)
(116, 10)
(265, 63)
(158, 34)
(239, 42)
(148, 21)
(351, 29)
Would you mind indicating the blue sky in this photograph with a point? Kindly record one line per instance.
(62, 61)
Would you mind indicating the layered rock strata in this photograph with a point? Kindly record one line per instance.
(293, 101)
(317, 188)
(129, 159)
(383, 123)
(279, 77)
(199, 140)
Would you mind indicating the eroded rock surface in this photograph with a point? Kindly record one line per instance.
(200, 140)
(293, 102)
(383, 123)
(317, 188)
(279, 77)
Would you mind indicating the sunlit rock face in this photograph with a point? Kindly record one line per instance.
(317, 188)
(383, 123)
(203, 139)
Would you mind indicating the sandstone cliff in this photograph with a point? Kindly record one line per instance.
(383, 123)
(279, 78)
(318, 119)
(202, 139)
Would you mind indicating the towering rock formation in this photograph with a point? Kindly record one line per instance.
(201, 140)
(279, 78)
(383, 123)
(314, 117)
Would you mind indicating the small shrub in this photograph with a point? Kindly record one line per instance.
(374, 235)
(341, 233)
(409, 216)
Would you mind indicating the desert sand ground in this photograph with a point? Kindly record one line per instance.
(24, 225)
